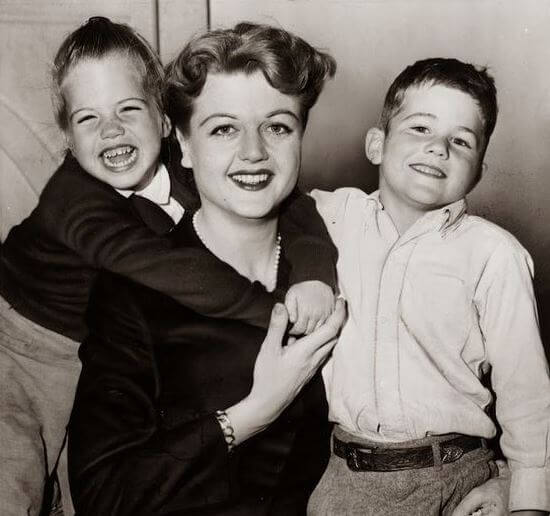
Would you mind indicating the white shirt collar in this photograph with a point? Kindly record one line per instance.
(157, 191)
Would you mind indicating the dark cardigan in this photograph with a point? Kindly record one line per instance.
(49, 262)
(143, 436)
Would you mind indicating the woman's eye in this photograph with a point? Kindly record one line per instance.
(279, 129)
(420, 129)
(223, 130)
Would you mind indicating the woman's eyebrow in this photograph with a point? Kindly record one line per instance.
(283, 112)
(217, 115)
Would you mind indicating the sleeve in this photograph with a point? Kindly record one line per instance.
(306, 242)
(99, 226)
(508, 317)
(123, 459)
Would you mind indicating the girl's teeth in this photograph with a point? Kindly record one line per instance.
(119, 157)
(251, 179)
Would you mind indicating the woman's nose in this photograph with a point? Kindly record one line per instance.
(112, 128)
(439, 147)
(252, 147)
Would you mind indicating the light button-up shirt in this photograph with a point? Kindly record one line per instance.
(429, 312)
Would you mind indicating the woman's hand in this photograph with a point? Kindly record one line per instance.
(281, 371)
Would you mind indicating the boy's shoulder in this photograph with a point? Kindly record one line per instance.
(491, 236)
(343, 201)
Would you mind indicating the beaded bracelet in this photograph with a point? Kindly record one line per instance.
(227, 428)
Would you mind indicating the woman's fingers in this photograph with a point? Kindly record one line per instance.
(277, 327)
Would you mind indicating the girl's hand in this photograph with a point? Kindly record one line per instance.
(309, 304)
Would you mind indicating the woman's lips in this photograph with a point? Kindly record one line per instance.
(252, 180)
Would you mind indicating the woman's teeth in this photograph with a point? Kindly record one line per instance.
(250, 179)
(119, 157)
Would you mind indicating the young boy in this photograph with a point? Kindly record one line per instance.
(110, 206)
(437, 298)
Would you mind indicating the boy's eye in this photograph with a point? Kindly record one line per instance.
(279, 129)
(223, 130)
(462, 143)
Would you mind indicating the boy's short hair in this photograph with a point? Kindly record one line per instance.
(449, 72)
(95, 39)
(288, 63)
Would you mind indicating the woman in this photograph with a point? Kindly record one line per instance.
(177, 413)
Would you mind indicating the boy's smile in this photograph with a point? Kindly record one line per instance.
(432, 154)
(114, 129)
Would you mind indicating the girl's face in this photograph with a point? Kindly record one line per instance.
(244, 145)
(114, 130)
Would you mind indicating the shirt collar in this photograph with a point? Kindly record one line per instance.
(443, 219)
(157, 191)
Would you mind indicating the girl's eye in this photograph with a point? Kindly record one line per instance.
(223, 130)
(279, 129)
(131, 108)
(85, 118)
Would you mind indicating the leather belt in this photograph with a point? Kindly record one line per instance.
(360, 457)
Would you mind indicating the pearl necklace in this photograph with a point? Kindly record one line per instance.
(272, 282)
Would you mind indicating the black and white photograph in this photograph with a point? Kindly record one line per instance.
(274, 257)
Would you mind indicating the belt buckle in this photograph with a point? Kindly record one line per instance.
(451, 453)
(352, 457)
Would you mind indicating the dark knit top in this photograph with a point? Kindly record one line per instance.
(49, 262)
(144, 439)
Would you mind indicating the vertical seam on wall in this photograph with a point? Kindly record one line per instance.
(156, 15)
(208, 20)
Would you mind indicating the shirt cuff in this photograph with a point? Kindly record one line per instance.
(530, 489)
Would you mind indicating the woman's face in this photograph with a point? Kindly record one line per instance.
(244, 145)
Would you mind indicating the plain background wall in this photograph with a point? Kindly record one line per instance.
(372, 40)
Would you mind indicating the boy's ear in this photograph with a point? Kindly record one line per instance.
(166, 126)
(374, 145)
(184, 146)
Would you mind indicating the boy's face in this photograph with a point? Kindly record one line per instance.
(433, 152)
(114, 130)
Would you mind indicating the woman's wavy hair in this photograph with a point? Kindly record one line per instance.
(289, 64)
(95, 39)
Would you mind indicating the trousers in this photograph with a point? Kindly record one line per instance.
(39, 370)
(435, 490)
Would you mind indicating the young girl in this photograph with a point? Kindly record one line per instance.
(110, 206)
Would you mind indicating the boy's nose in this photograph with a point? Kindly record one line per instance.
(112, 128)
(439, 146)
(252, 147)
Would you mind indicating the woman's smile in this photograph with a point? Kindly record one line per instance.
(252, 181)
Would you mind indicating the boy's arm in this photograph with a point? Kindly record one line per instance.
(508, 318)
(94, 221)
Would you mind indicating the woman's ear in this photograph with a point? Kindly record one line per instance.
(374, 145)
(166, 126)
(184, 146)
